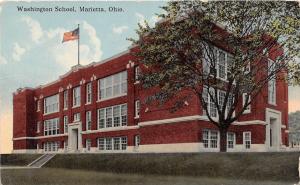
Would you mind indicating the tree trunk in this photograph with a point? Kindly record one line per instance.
(223, 140)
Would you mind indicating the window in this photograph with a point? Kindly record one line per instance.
(38, 127)
(205, 138)
(66, 145)
(88, 118)
(51, 104)
(108, 143)
(210, 139)
(271, 83)
(248, 108)
(51, 127)
(211, 106)
(66, 99)
(101, 143)
(51, 146)
(109, 117)
(213, 139)
(113, 86)
(66, 124)
(136, 141)
(76, 96)
(230, 140)
(217, 60)
(88, 93)
(137, 108)
(247, 139)
(222, 65)
(76, 117)
(112, 116)
(112, 143)
(117, 142)
(38, 106)
(88, 144)
(137, 73)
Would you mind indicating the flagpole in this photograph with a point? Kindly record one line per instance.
(78, 43)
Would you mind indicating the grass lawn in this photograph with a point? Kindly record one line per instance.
(52, 176)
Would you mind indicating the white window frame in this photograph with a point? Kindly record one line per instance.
(89, 93)
(137, 109)
(51, 127)
(66, 122)
(51, 104)
(211, 106)
(137, 73)
(207, 66)
(76, 117)
(38, 129)
(88, 144)
(51, 146)
(38, 105)
(66, 99)
(112, 143)
(248, 108)
(271, 84)
(112, 86)
(76, 96)
(137, 141)
(88, 120)
(107, 118)
(247, 140)
(233, 141)
(208, 140)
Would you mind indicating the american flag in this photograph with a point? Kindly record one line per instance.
(71, 35)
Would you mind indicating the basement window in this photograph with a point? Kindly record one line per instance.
(247, 139)
(210, 138)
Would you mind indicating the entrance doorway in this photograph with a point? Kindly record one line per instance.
(273, 133)
(74, 137)
(273, 129)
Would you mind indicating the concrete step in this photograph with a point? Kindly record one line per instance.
(39, 162)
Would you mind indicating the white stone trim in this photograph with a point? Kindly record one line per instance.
(196, 117)
(252, 122)
(27, 151)
(159, 148)
(93, 78)
(172, 120)
(283, 126)
(39, 137)
(275, 114)
(110, 129)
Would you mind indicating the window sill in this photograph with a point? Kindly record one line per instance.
(247, 112)
(75, 106)
(274, 104)
(89, 103)
(50, 113)
(104, 99)
(136, 82)
(65, 109)
(137, 117)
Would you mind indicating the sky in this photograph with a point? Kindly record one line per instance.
(31, 51)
